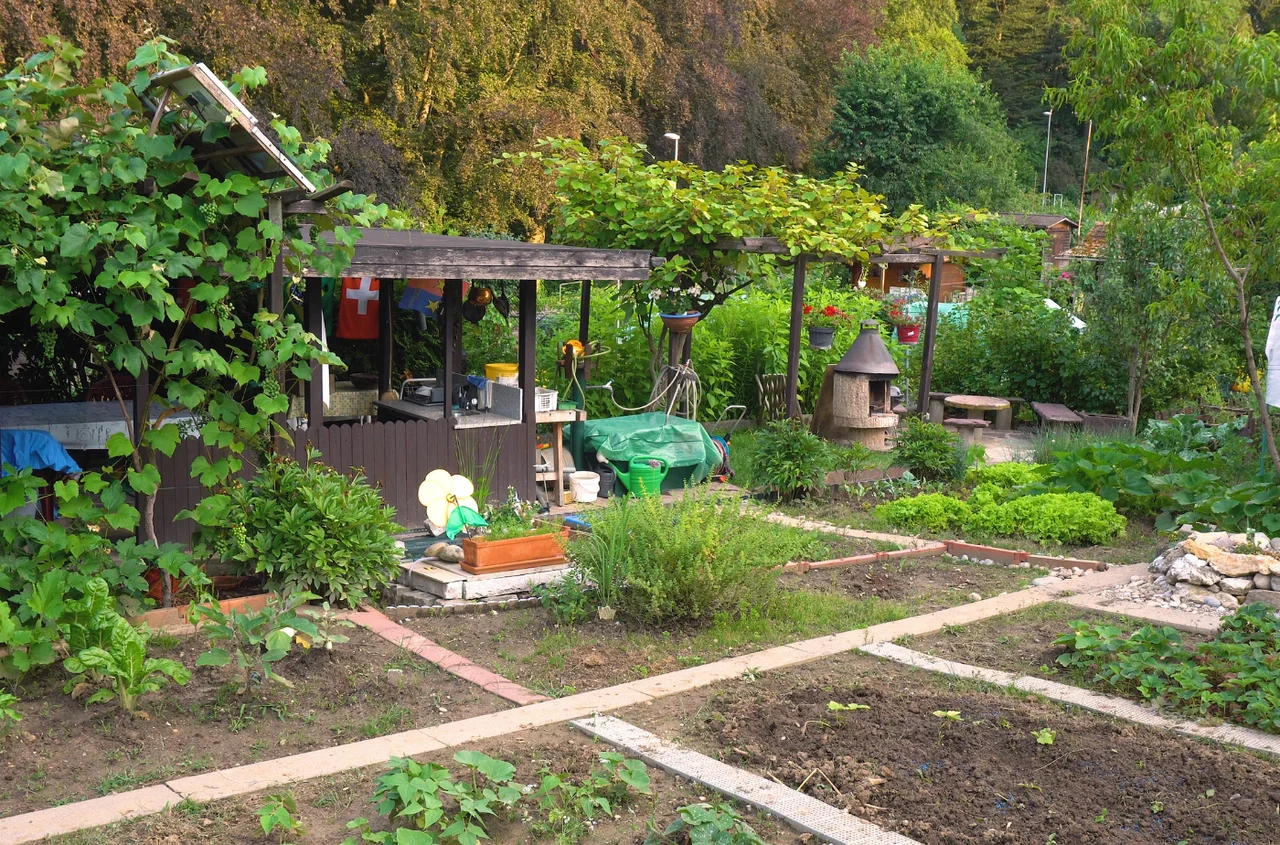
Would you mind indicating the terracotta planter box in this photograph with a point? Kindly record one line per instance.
(168, 617)
(481, 556)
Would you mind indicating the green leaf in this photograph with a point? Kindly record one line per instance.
(145, 482)
(214, 657)
(250, 205)
(75, 241)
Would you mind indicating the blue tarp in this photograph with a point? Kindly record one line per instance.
(35, 450)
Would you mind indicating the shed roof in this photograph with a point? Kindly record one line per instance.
(404, 254)
(1038, 221)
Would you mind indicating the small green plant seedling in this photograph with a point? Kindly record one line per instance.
(278, 815)
(950, 715)
(1157, 807)
(1101, 818)
(710, 823)
(853, 705)
(123, 666)
(9, 715)
(1045, 736)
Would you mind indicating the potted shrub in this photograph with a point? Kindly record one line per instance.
(513, 540)
(822, 324)
(677, 307)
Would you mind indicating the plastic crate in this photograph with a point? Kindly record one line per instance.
(544, 400)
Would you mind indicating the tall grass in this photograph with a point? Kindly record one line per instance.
(1045, 442)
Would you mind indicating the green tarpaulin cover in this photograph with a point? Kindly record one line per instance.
(679, 442)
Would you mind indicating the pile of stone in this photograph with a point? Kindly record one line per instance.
(1221, 570)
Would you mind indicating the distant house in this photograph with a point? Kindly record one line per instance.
(1060, 229)
(1092, 248)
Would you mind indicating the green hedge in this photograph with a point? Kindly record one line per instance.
(1066, 518)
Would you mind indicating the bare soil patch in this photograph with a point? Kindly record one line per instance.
(62, 751)
(1019, 642)
(530, 648)
(325, 805)
(978, 775)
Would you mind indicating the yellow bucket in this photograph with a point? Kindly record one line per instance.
(493, 372)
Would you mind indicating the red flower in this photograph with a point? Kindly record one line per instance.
(829, 311)
(808, 309)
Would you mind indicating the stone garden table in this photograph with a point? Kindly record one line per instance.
(976, 407)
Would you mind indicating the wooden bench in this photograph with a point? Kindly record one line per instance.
(970, 431)
(1056, 415)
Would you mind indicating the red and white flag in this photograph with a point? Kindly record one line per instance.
(358, 309)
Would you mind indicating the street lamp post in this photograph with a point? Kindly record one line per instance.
(673, 137)
(1044, 185)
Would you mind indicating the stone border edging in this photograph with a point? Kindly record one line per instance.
(268, 774)
(451, 662)
(1107, 705)
(802, 812)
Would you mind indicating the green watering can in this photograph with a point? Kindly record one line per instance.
(644, 475)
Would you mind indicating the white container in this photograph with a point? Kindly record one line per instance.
(584, 486)
(509, 381)
(544, 400)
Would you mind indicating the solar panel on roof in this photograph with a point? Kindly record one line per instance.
(245, 147)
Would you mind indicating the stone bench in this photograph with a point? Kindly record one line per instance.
(970, 431)
(1052, 414)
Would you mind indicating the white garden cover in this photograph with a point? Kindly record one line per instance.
(1273, 357)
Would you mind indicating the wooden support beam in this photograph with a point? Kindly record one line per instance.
(930, 336)
(313, 317)
(275, 285)
(386, 342)
(527, 331)
(797, 326)
(451, 305)
(577, 430)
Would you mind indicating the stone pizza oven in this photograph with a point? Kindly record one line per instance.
(854, 403)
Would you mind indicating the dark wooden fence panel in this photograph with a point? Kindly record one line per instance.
(393, 456)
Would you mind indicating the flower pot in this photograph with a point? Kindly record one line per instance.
(821, 337)
(909, 334)
(680, 322)
(155, 584)
(481, 556)
(605, 613)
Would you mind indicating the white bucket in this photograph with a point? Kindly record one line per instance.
(509, 381)
(584, 486)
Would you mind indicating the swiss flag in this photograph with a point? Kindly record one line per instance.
(358, 309)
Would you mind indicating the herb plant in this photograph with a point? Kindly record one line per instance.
(789, 459)
(713, 824)
(566, 808)
(256, 640)
(279, 814)
(9, 715)
(1233, 676)
(927, 449)
(307, 528)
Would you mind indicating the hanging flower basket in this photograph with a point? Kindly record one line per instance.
(908, 333)
(681, 322)
(821, 337)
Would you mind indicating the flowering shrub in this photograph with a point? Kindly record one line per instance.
(899, 315)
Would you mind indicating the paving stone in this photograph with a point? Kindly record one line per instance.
(1263, 597)
(434, 580)
(521, 582)
(55, 821)
(800, 811)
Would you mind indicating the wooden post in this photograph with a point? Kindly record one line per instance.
(930, 336)
(452, 305)
(275, 285)
(793, 348)
(526, 357)
(386, 342)
(313, 315)
(577, 429)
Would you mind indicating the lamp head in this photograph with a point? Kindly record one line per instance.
(671, 136)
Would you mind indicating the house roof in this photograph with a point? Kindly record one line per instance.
(1038, 221)
(403, 254)
(1093, 247)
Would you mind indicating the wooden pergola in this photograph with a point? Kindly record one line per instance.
(911, 255)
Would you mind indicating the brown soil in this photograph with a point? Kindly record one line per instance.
(930, 583)
(979, 778)
(63, 751)
(326, 805)
(1019, 642)
(528, 646)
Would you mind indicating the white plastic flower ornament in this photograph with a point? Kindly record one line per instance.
(441, 492)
